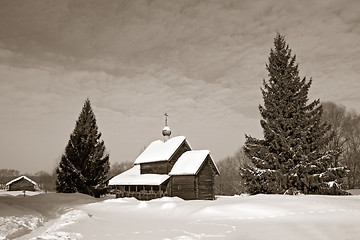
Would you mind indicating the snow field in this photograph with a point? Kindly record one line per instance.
(36, 212)
(53, 232)
(238, 217)
(245, 217)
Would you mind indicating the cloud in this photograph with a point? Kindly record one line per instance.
(203, 62)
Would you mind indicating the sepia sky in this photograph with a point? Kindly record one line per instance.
(202, 62)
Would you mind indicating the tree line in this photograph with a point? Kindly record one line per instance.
(44, 180)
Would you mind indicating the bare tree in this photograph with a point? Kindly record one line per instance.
(335, 115)
(230, 181)
(345, 127)
(45, 180)
(7, 175)
(352, 148)
(119, 167)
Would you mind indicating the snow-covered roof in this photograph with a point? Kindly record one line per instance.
(159, 150)
(190, 162)
(17, 179)
(133, 177)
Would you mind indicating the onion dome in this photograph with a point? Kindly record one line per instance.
(166, 132)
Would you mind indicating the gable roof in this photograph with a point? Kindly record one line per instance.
(133, 177)
(19, 178)
(190, 163)
(159, 151)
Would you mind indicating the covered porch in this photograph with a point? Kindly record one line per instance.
(141, 192)
(140, 186)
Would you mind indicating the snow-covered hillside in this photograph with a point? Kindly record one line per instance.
(76, 216)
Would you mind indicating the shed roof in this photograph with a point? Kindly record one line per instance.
(190, 163)
(19, 178)
(159, 150)
(133, 177)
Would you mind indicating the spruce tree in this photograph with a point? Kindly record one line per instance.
(84, 164)
(292, 155)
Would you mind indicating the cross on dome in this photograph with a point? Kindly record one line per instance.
(166, 115)
(166, 132)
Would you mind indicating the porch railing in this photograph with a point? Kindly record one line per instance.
(142, 195)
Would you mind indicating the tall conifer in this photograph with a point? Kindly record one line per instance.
(292, 155)
(84, 165)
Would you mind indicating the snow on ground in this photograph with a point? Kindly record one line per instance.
(14, 221)
(239, 217)
(13, 226)
(21, 215)
(19, 193)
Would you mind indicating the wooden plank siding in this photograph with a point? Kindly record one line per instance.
(200, 186)
(206, 181)
(183, 187)
(154, 168)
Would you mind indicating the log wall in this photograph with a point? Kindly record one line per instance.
(154, 168)
(206, 182)
(200, 186)
(183, 187)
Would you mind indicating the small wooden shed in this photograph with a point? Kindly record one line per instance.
(192, 176)
(22, 183)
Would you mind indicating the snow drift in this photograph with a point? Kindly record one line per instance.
(76, 216)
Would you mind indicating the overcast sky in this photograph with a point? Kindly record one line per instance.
(202, 62)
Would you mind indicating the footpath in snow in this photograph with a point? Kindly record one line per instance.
(246, 217)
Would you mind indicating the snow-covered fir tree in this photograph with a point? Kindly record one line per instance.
(84, 165)
(292, 155)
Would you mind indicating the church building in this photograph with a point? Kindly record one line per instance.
(171, 168)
